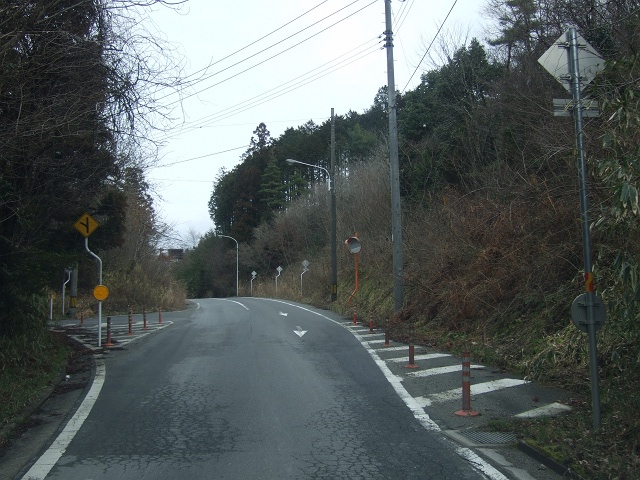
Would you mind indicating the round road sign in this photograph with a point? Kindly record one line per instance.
(579, 312)
(101, 292)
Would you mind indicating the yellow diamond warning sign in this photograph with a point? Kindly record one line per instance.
(86, 225)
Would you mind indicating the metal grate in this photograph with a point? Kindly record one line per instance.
(489, 438)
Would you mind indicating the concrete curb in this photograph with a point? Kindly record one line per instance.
(547, 461)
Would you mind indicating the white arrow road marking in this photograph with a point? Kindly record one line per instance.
(300, 332)
(284, 314)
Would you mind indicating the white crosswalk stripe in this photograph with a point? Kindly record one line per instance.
(392, 349)
(441, 370)
(476, 389)
(428, 356)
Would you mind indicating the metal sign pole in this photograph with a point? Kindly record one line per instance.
(67, 271)
(86, 246)
(574, 71)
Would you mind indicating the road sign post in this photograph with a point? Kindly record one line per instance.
(279, 270)
(354, 246)
(575, 63)
(253, 277)
(305, 269)
(86, 225)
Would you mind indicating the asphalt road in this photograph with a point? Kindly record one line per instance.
(244, 389)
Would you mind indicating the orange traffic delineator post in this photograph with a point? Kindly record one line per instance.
(371, 326)
(412, 363)
(355, 318)
(130, 320)
(466, 388)
(144, 318)
(109, 342)
(159, 315)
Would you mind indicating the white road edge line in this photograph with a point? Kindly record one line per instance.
(235, 301)
(47, 461)
(418, 412)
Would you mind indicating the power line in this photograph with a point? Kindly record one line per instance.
(289, 86)
(296, 83)
(429, 47)
(255, 41)
(403, 13)
(201, 156)
(268, 48)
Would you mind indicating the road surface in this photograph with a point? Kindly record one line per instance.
(248, 388)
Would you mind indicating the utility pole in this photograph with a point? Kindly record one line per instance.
(334, 259)
(396, 212)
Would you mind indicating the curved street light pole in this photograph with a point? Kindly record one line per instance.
(291, 161)
(332, 189)
(227, 236)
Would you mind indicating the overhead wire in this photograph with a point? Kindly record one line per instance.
(224, 116)
(266, 49)
(402, 15)
(279, 90)
(430, 45)
(398, 22)
(289, 86)
(204, 69)
(200, 157)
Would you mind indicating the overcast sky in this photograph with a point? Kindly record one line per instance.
(283, 63)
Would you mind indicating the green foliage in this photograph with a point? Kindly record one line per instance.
(208, 270)
(28, 364)
(447, 123)
(273, 191)
(30, 309)
(618, 220)
(259, 187)
(67, 106)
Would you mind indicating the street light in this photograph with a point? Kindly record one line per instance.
(334, 259)
(227, 236)
(291, 161)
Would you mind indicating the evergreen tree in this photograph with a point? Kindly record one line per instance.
(274, 189)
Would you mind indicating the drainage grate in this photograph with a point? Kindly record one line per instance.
(488, 438)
